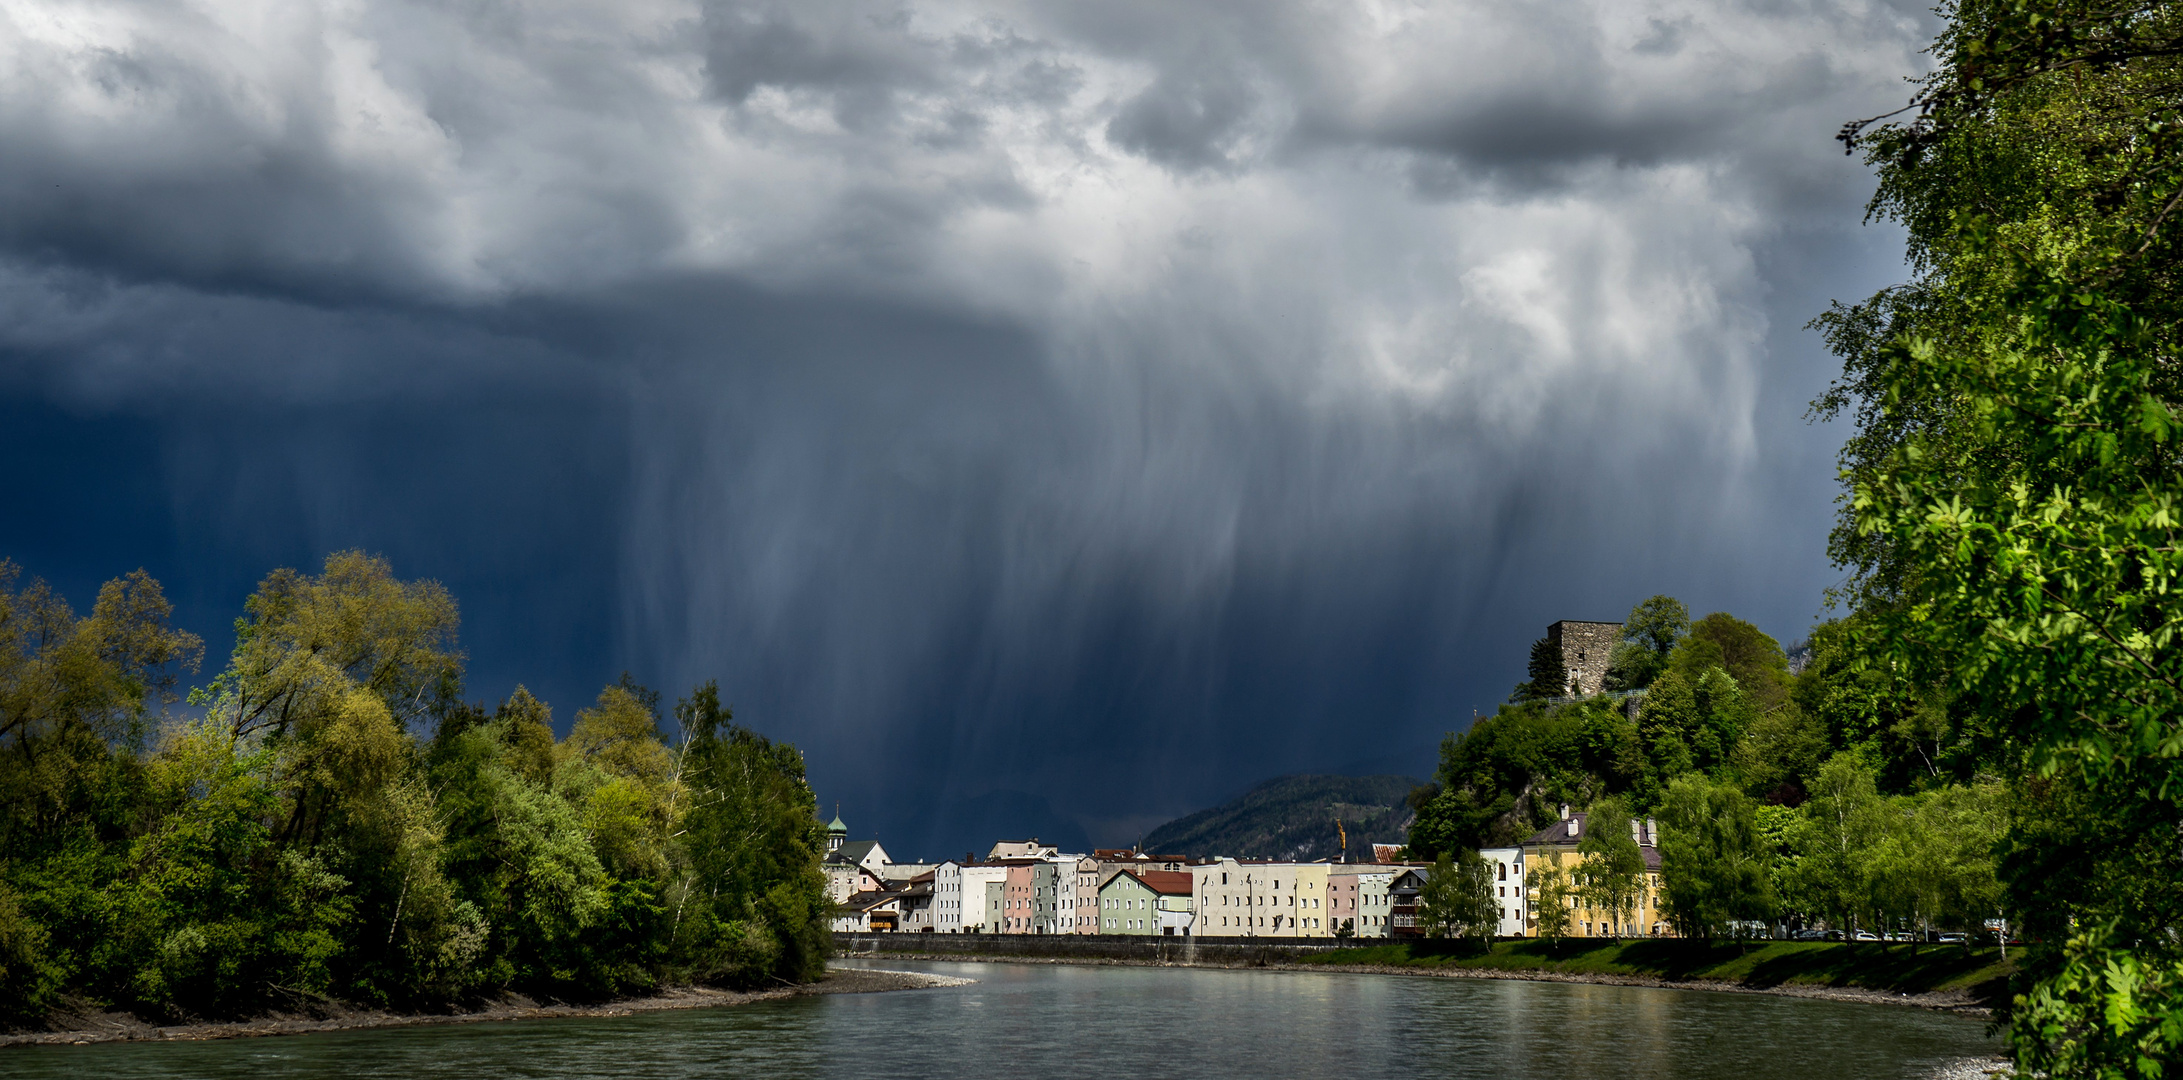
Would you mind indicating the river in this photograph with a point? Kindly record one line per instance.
(1027, 1020)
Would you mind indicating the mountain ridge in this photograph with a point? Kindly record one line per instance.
(1292, 818)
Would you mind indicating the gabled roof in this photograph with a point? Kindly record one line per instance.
(853, 851)
(1558, 832)
(1162, 882)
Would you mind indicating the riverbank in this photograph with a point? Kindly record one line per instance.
(87, 1028)
(1942, 977)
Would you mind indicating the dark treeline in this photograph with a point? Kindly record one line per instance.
(331, 821)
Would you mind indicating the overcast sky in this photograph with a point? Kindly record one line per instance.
(1053, 417)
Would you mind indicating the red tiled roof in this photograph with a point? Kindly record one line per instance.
(1165, 882)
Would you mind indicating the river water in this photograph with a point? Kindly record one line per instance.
(1027, 1020)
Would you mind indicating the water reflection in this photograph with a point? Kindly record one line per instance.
(1020, 1019)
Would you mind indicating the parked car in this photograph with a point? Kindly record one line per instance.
(1952, 939)
(1864, 935)
(1817, 935)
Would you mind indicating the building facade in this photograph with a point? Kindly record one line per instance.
(958, 896)
(1357, 899)
(1556, 849)
(1262, 899)
(1016, 897)
(1508, 889)
(1085, 914)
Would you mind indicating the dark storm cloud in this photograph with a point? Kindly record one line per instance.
(1053, 417)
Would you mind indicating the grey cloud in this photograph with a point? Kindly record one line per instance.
(1074, 411)
(1185, 120)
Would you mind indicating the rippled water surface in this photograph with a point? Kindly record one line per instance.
(1023, 1020)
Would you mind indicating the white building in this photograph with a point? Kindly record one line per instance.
(959, 896)
(1021, 849)
(1508, 888)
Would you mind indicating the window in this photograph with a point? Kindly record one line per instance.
(1504, 872)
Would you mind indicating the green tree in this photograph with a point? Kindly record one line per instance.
(1714, 863)
(1457, 899)
(2014, 480)
(1836, 840)
(1552, 892)
(1754, 660)
(1649, 635)
(1545, 673)
(753, 907)
(1612, 873)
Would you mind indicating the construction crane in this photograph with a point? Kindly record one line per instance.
(1345, 838)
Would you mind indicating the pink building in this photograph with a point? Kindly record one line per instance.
(1017, 897)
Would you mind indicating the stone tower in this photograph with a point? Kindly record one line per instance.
(1585, 647)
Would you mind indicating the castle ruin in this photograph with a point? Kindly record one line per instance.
(1585, 648)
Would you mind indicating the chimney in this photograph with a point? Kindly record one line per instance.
(1637, 832)
(1575, 825)
(1565, 811)
(1652, 833)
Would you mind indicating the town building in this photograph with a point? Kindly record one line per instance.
(852, 866)
(1357, 898)
(1021, 849)
(1017, 896)
(867, 912)
(1508, 889)
(959, 900)
(1084, 915)
(1261, 899)
(1053, 896)
(1146, 903)
(1556, 850)
(913, 905)
(1402, 893)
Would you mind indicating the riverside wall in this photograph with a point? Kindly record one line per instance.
(1138, 949)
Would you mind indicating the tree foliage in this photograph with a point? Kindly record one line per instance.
(1611, 873)
(2014, 479)
(335, 822)
(1713, 859)
(1457, 899)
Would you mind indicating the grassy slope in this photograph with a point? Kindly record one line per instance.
(1891, 968)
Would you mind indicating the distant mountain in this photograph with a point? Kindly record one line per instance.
(1293, 818)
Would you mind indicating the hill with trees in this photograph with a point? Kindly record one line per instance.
(1292, 817)
(1846, 792)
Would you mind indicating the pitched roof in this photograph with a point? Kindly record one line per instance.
(1558, 832)
(853, 851)
(1164, 882)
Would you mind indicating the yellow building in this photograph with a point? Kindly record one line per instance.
(1262, 899)
(1554, 848)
